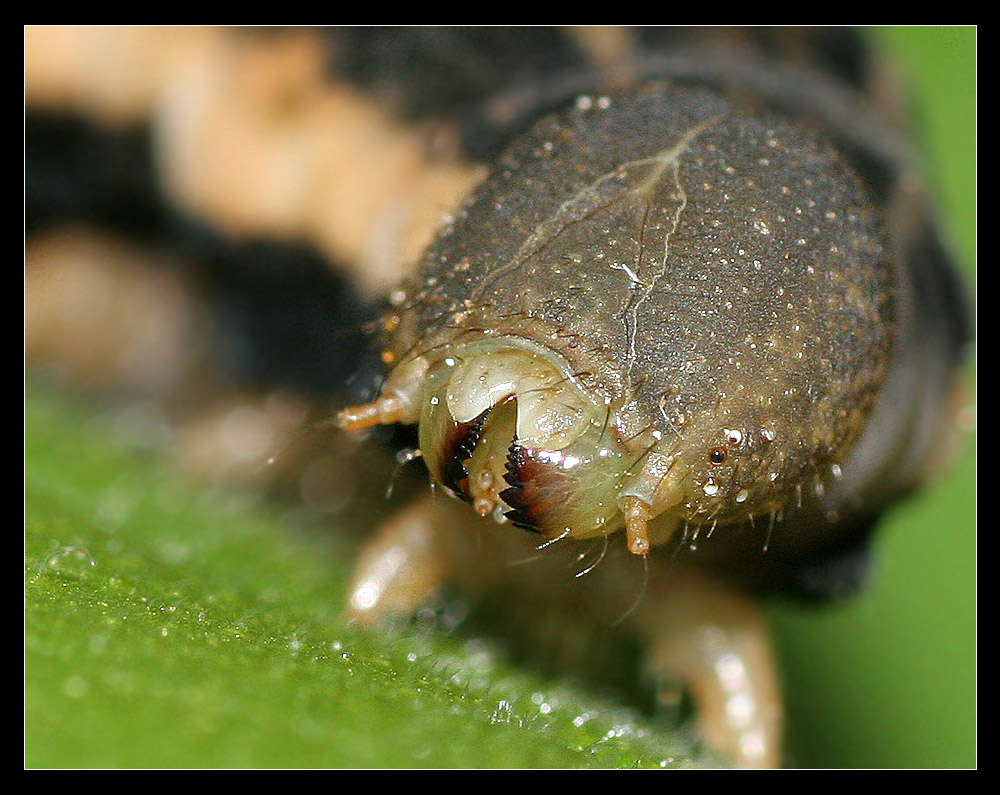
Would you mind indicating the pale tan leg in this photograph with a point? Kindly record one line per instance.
(716, 642)
(431, 541)
(400, 568)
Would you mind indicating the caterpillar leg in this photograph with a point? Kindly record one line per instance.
(419, 548)
(399, 568)
(715, 642)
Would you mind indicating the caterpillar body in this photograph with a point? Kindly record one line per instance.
(688, 307)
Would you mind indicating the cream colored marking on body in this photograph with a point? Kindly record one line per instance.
(330, 166)
(111, 74)
(604, 46)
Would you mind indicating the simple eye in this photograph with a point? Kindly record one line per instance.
(717, 455)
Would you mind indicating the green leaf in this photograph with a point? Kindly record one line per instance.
(171, 627)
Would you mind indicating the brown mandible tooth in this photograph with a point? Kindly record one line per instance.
(535, 490)
(458, 448)
(522, 490)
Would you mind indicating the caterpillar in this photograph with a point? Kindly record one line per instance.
(688, 304)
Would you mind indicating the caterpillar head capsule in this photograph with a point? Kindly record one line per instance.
(659, 311)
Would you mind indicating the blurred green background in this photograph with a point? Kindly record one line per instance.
(166, 627)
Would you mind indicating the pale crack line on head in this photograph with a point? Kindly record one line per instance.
(667, 159)
(590, 200)
(582, 204)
